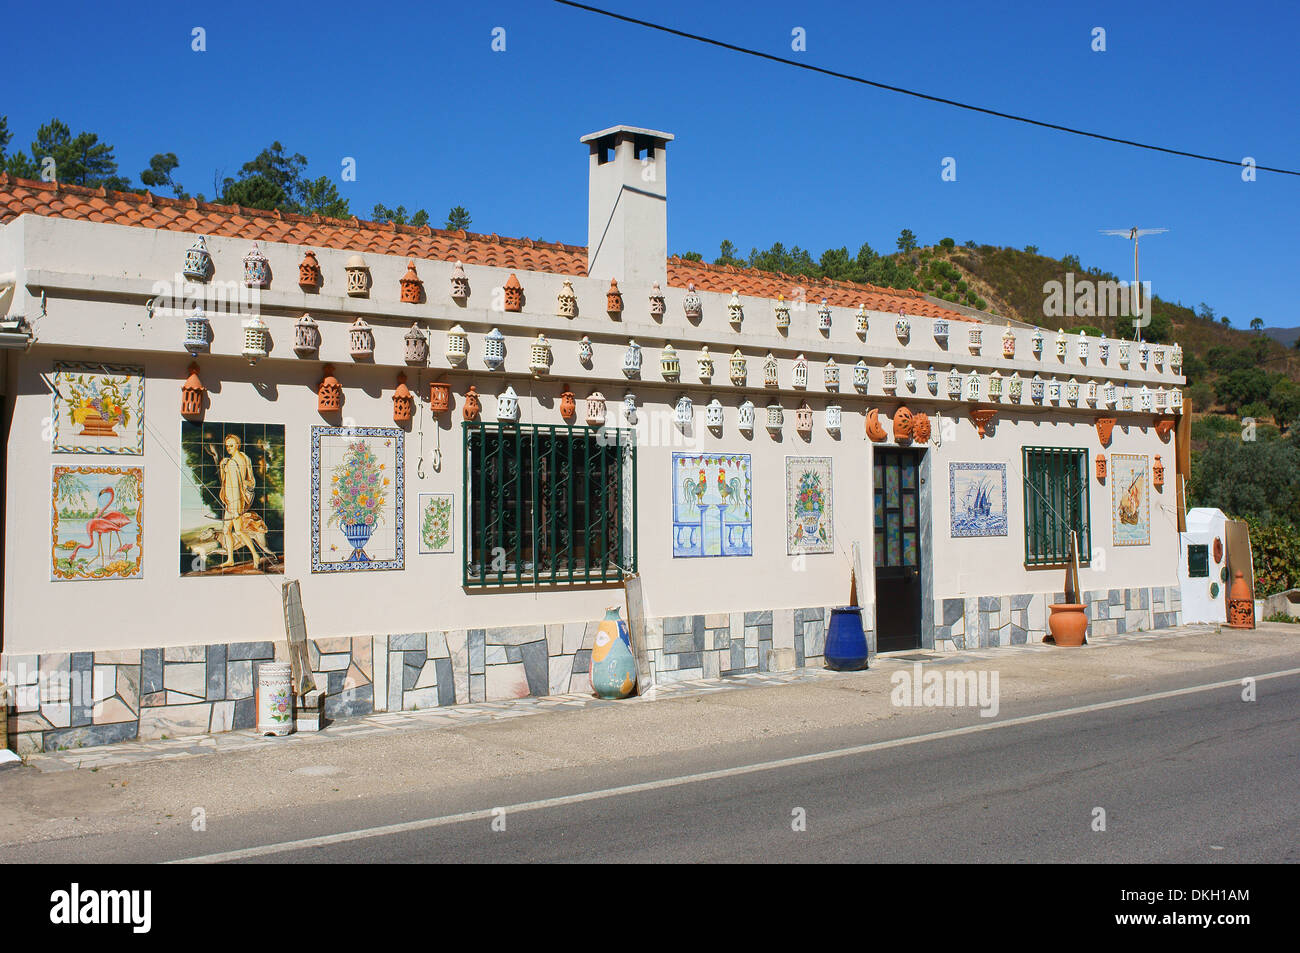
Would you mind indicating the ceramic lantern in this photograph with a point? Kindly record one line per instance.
(1054, 392)
(770, 370)
(1008, 342)
(629, 407)
(566, 302)
(890, 382)
(1015, 388)
(329, 392)
(800, 372)
(972, 386)
(932, 381)
(1162, 399)
(1060, 343)
(632, 359)
(459, 283)
(198, 261)
(995, 386)
(975, 338)
(739, 368)
(198, 331)
(257, 270)
(861, 376)
(411, 285)
(903, 328)
(831, 374)
(494, 349)
(1101, 467)
(595, 409)
(775, 417)
(568, 404)
(704, 364)
(713, 413)
(692, 305)
(416, 346)
(1176, 359)
(508, 405)
(1108, 394)
(1103, 348)
(361, 340)
(539, 356)
(656, 301)
(1083, 346)
(954, 384)
(861, 322)
(909, 378)
(1125, 349)
(403, 402)
(358, 283)
(1176, 399)
(470, 409)
(803, 418)
(782, 311)
(257, 339)
(1144, 354)
(1144, 399)
(1036, 342)
(1126, 400)
(512, 294)
(824, 316)
(585, 351)
(669, 364)
(834, 417)
(306, 336)
(614, 298)
(1091, 394)
(457, 346)
(439, 397)
(192, 392)
(1158, 357)
(1072, 391)
(745, 417)
(308, 271)
(1036, 388)
(1158, 472)
(941, 329)
(735, 311)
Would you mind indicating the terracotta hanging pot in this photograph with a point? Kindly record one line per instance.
(329, 392)
(568, 404)
(921, 428)
(472, 404)
(614, 298)
(613, 669)
(874, 430)
(192, 392)
(439, 397)
(902, 425)
(514, 294)
(403, 402)
(1158, 473)
(1241, 604)
(411, 285)
(1101, 468)
(308, 272)
(1104, 427)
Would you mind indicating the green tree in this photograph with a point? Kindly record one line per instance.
(1259, 478)
(81, 159)
(1204, 312)
(458, 219)
(729, 254)
(270, 180)
(1031, 249)
(906, 241)
(160, 174)
(1241, 387)
(1257, 324)
(321, 197)
(1225, 322)
(1284, 401)
(838, 266)
(947, 243)
(691, 256)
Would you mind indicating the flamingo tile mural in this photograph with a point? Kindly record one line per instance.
(98, 408)
(357, 511)
(96, 516)
(809, 517)
(712, 504)
(232, 499)
(1130, 487)
(977, 499)
(435, 523)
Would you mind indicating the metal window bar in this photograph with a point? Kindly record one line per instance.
(1057, 502)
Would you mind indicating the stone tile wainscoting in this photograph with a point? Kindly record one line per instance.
(986, 621)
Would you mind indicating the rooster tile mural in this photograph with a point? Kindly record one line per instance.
(809, 516)
(98, 408)
(95, 523)
(712, 504)
(357, 512)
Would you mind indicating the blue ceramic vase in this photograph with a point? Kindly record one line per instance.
(846, 643)
(613, 670)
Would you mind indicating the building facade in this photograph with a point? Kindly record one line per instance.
(460, 445)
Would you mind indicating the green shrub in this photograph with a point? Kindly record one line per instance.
(1275, 551)
(1281, 617)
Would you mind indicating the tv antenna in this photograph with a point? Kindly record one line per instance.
(1134, 234)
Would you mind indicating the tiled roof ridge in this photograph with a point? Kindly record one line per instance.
(147, 198)
(807, 280)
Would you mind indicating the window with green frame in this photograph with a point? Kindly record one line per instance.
(548, 505)
(1056, 502)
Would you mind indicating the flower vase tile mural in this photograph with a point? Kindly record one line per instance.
(357, 516)
(435, 523)
(98, 408)
(712, 504)
(1130, 487)
(232, 499)
(978, 499)
(809, 519)
(95, 520)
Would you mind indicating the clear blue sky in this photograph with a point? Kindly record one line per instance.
(764, 152)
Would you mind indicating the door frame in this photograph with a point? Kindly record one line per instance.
(924, 535)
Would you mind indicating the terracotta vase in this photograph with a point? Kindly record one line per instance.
(613, 669)
(1068, 623)
(1241, 605)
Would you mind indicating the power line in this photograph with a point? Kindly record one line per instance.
(911, 92)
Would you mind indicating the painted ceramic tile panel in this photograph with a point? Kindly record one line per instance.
(809, 515)
(1130, 487)
(357, 502)
(977, 499)
(436, 523)
(712, 504)
(98, 408)
(95, 523)
(232, 499)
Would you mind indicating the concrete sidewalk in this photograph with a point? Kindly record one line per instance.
(138, 752)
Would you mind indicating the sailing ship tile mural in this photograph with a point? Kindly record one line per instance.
(232, 499)
(809, 516)
(436, 523)
(96, 523)
(356, 499)
(1130, 487)
(712, 504)
(977, 500)
(98, 408)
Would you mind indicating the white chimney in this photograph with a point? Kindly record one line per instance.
(627, 206)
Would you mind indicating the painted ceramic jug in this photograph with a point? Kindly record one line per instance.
(613, 670)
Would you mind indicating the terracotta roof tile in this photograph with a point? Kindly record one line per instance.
(56, 200)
